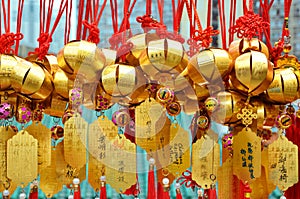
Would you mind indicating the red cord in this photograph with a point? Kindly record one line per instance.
(68, 21)
(160, 6)
(95, 16)
(222, 23)
(45, 37)
(8, 39)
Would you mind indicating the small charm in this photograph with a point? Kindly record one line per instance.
(75, 97)
(173, 108)
(6, 111)
(203, 122)
(102, 103)
(165, 95)
(284, 121)
(247, 116)
(211, 104)
(24, 114)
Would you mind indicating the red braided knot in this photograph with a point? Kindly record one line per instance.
(44, 45)
(249, 25)
(7, 40)
(201, 39)
(94, 35)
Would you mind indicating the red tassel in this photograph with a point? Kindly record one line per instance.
(293, 134)
(245, 190)
(103, 187)
(151, 185)
(212, 194)
(162, 193)
(34, 191)
(151, 180)
(76, 184)
(33, 195)
(178, 193)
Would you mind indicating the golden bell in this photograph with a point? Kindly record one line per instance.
(164, 55)
(7, 68)
(139, 42)
(284, 87)
(229, 105)
(209, 65)
(119, 80)
(238, 47)
(252, 73)
(110, 56)
(81, 57)
(62, 83)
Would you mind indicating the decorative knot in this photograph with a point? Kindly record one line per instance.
(115, 40)
(94, 32)
(187, 180)
(201, 39)
(163, 33)
(124, 49)
(148, 23)
(7, 40)
(249, 25)
(44, 45)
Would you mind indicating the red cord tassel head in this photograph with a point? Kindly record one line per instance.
(151, 180)
(178, 193)
(76, 186)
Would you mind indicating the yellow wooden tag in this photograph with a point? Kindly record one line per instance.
(49, 183)
(65, 173)
(260, 186)
(283, 163)
(147, 124)
(162, 139)
(101, 133)
(5, 134)
(205, 160)
(43, 136)
(247, 155)
(96, 170)
(121, 164)
(75, 133)
(179, 149)
(22, 161)
(225, 180)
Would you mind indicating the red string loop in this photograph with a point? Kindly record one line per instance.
(163, 33)
(7, 40)
(249, 25)
(148, 23)
(44, 44)
(187, 180)
(94, 35)
(123, 50)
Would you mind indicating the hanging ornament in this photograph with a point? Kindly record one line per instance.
(165, 56)
(211, 104)
(121, 164)
(252, 73)
(102, 187)
(247, 149)
(76, 188)
(121, 118)
(57, 132)
(6, 111)
(75, 134)
(22, 159)
(284, 87)
(225, 180)
(75, 97)
(230, 104)
(49, 182)
(209, 65)
(24, 113)
(205, 160)
(7, 67)
(81, 57)
(283, 159)
(151, 180)
(43, 136)
(165, 95)
(240, 46)
(62, 83)
(173, 108)
(34, 190)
